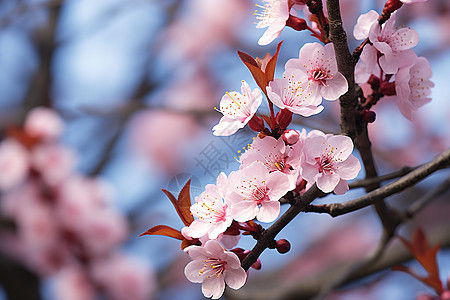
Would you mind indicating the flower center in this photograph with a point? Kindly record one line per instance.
(259, 193)
(212, 267)
(320, 75)
(325, 164)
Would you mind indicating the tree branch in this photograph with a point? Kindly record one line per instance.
(268, 235)
(337, 209)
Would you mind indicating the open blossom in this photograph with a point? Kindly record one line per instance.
(295, 93)
(237, 110)
(364, 23)
(274, 16)
(412, 86)
(275, 155)
(213, 266)
(14, 164)
(328, 161)
(319, 64)
(255, 193)
(212, 212)
(395, 44)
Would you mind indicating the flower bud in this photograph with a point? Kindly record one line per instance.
(368, 116)
(283, 246)
(291, 136)
(284, 118)
(374, 82)
(256, 123)
(391, 6)
(445, 295)
(296, 23)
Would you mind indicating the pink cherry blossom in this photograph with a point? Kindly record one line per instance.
(412, 1)
(328, 160)
(53, 161)
(275, 156)
(123, 277)
(319, 64)
(211, 211)
(367, 65)
(14, 164)
(213, 267)
(254, 192)
(237, 110)
(394, 44)
(72, 283)
(364, 23)
(295, 93)
(43, 123)
(274, 16)
(412, 86)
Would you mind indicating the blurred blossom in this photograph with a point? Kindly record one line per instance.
(14, 164)
(73, 283)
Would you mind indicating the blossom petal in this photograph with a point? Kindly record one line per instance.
(213, 287)
(235, 278)
(269, 211)
(192, 271)
(337, 86)
(327, 182)
(349, 168)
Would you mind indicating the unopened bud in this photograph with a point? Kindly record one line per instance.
(445, 295)
(257, 264)
(296, 23)
(283, 246)
(368, 116)
(387, 88)
(291, 136)
(284, 118)
(256, 123)
(391, 6)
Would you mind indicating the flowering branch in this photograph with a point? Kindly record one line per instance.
(337, 209)
(268, 235)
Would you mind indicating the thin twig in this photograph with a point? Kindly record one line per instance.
(338, 209)
(376, 180)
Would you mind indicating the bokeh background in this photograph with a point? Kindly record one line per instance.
(136, 83)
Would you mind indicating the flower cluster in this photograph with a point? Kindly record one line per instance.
(390, 65)
(66, 227)
(281, 164)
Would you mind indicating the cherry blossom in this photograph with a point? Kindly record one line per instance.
(328, 160)
(14, 164)
(364, 23)
(274, 16)
(295, 92)
(211, 210)
(319, 64)
(412, 86)
(43, 123)
(237, 110)
(254, 192)
(275, 155)
(394, 44)
(213, 267)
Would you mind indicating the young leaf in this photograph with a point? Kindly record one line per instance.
(426, 256)
(182, 204)
(164, 230)
(270, 69)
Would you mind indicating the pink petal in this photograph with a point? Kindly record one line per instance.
(235, 278)
(337, 86)
(269, 211)
(349, 168)
(192, 271)
(327, 182)
(213, 287)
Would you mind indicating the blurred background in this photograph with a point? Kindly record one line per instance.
(135, 83)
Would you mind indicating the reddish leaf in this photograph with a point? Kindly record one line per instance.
(247, 59)
(182, 204)
(164, 230)
(270, 69)
(426, 256)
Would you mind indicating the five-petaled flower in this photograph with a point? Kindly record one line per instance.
(237, 110)
(274, 16)
(296, 93)
(319, 64)
(211, 210)
(213, 266)
(328, 160)
(255, 193)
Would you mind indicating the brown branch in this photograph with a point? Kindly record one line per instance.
(268, 235)
(337, 209)
(376, 180)
(346, 67)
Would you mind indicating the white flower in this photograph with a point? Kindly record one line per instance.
(237, 110)
(274, 16)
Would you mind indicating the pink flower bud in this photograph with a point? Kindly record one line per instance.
(283, 246)
(445, 295)
(291, 136)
